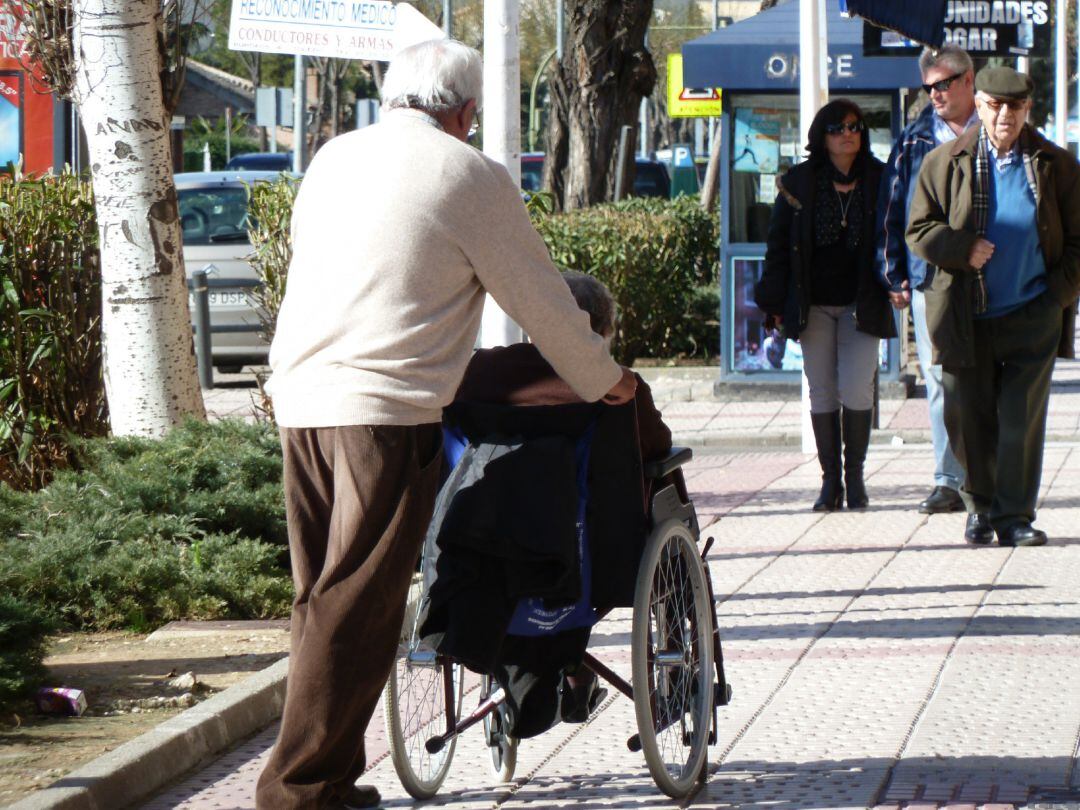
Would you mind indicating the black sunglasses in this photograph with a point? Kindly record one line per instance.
(943, 85)
(836, 129)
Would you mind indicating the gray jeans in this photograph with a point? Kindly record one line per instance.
(838, 360)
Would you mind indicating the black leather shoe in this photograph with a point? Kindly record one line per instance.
(978, 530)
(942, 499)
(1021, 534)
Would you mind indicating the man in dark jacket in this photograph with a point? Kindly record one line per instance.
(997, 213)
(949, 79)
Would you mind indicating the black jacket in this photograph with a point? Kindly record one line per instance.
(784, 287)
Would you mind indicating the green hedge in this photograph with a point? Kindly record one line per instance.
(51, 385)
(659, 259)
(23, 630)
(189, 526)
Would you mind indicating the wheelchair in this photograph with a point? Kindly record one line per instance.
(677, 673)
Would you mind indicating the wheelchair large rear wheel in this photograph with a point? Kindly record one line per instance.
(671, 658)
(422, 698)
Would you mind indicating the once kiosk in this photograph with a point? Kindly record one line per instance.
(756, 63)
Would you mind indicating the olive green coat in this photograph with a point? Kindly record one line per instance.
(941, 229)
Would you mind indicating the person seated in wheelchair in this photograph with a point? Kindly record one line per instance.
(519, 374)
(507, 392)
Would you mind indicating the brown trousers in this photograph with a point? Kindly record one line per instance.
(358, 500)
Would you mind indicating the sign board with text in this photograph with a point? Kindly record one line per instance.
(346, 29)
(688, 102)
(983, 28)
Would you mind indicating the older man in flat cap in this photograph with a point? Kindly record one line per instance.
(997, 213)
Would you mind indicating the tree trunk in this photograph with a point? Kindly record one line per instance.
(597, 88)
(150, 375)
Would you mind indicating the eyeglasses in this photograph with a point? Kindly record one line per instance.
(943, 85)
(474, 128)
(995, 105)
(836, 129)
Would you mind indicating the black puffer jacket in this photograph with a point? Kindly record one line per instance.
(785, 283)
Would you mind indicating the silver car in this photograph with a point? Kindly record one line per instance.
(214, 220)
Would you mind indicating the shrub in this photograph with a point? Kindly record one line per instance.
(51, 385)
(22, 649)
(225, 476)
(203, 131)
(188, 526)
(271, 210)
(659, 260)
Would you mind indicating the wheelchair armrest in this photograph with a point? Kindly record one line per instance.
(675, 458)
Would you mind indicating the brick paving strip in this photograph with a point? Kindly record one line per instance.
(876, 660)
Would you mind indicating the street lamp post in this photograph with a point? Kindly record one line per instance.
(502, 129)
(813, 94)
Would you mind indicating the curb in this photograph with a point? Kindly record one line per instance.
(138, 768)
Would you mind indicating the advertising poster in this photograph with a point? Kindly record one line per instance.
(756, 348)
(11, 129)
(756, 147)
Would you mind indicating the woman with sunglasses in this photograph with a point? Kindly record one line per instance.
(818, 285)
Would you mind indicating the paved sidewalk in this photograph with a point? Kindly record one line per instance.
(876, 660)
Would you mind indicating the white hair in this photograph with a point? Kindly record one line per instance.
(434, 76)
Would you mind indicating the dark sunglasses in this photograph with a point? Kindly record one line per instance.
(943, 85)
(836, 129)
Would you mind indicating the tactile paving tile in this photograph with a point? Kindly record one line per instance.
(841, 642)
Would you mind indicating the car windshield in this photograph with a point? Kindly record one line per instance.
(214, 215)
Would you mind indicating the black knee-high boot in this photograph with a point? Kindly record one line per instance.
(856, 426)
(827, 437)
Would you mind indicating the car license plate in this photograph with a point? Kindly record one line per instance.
(223, 298)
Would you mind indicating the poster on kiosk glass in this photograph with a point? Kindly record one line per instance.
(10, 118)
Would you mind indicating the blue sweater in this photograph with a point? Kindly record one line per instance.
(1016, 273)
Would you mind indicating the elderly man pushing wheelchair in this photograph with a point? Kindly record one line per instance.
(398, 231)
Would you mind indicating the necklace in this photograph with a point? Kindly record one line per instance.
(843, 208)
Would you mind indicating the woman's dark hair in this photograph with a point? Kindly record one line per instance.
(834, 113)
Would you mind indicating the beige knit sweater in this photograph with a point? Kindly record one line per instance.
(398, 229)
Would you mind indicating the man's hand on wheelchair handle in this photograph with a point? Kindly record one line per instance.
(624, 389)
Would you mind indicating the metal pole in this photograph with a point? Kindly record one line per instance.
(1061, 76)
(643, 123)
(560, 28)
(228, 134)
(201, 316)
(620, 162)
(502, 129)
(534, 114)
(715, 14)
(448, 18)
(299, 115)
(813, 94)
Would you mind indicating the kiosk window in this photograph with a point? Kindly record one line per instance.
(765, 143)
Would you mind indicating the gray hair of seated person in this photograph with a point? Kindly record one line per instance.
(594, 298)
(435, 76)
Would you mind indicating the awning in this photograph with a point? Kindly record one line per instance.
(762, 53)
(920, 20)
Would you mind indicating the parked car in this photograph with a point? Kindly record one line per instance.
(214, 220)
(651, 177)
(261, 161)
